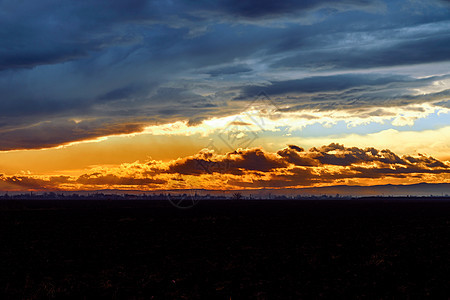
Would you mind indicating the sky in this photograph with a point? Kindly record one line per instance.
(226, 94)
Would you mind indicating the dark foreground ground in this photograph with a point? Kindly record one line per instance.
(225, 249)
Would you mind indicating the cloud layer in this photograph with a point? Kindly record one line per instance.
(71, 71)
(292, 166)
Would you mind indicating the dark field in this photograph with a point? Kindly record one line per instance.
(225, 249)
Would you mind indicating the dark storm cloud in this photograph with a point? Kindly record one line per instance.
(152, 62)
(229, 70)
(414, 50)
(49, 32)
(59, 132)
(347, 91)
(272, 9)
(323, 84)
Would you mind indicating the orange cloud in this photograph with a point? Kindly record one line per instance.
(250, 168)
(236, 162)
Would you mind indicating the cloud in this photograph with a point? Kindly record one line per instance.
(68, 31)
(59, 132)
(330, 83)
(152, 62)
(338, 155)
(347, 92)
(97, 179)
(251, 168)
(229, 70)
(430, 44)
(235, 162)
(23, 182)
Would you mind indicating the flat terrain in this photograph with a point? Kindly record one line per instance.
(375, 248)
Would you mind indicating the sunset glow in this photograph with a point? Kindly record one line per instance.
(220, 98)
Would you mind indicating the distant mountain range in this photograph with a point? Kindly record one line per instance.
(420, 189)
